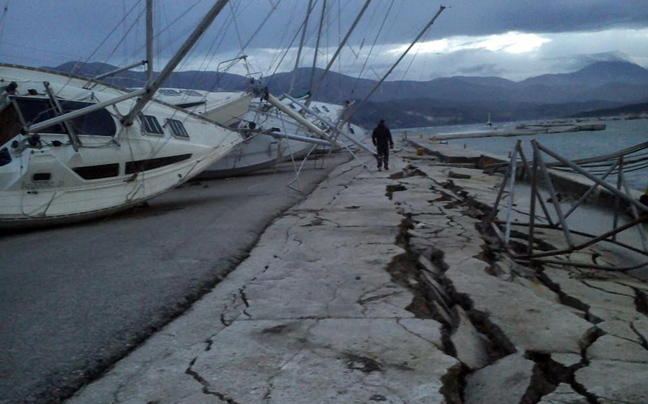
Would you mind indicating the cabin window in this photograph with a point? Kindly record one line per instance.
(291, 105)
(167, 91)
(5, 157)
(96, 123)
(151, 164)
(325, 108)
(97, 172)
(150, 125)
(192, 93)
(178, 128)
(316, 109)
(9, 125)
(42, 177)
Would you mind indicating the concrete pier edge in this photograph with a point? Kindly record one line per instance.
(381, 287)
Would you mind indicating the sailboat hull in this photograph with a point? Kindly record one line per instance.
(48, 182)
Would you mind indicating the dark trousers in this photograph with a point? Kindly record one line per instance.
(383, 156)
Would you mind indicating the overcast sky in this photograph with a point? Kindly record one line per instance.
(514, 39)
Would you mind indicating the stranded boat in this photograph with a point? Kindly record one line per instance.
(71, 149)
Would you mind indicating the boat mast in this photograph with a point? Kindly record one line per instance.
(149, 41)
(319, 35)
(146, 93)
(301, 46)
(423, 31)
(153, 86)
(337, 52)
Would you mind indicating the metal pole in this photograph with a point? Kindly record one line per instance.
(83, 111)
(603, 184)
(552, 192)
(507, 233)
(617, 201)
(74, 140)
(635, 214)
(591, 266)
(534, 194)
(149, 42)
(538, 196)
(584, 234)
(301, 46)
(113, 72)
(332, 126)
(319, 35)
(152, 87)
(493, 212)
(299, 138)
(441, 8)
(589, 191)
(297, 117)
(595, 240)
(339, 49)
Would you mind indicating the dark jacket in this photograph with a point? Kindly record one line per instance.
(381, 136)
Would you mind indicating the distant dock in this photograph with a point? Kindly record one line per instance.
(525, 130)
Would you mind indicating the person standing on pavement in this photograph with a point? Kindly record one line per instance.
(382, 139)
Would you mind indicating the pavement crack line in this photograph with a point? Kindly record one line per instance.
(584, 282)
(206, 387)
(498, 344)
(642, 338)
(267, 396)
(404, 327)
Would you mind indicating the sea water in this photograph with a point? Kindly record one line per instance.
(619, 134)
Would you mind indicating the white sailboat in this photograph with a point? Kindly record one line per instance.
(264, 143)
(70, 151)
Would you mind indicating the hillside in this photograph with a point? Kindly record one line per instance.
(442, 101)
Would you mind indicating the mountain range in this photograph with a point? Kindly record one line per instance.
(604, 86)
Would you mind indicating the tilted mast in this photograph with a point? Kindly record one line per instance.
(153, 86)
(148, 92)
(339, 49)
(423, 31)
(301, 46)
(319, 36)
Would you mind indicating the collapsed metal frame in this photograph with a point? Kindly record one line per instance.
(538, 168)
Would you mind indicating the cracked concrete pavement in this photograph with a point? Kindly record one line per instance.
(380, 287)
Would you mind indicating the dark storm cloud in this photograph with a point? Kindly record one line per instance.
(554, 16)
(50, 32)
(76, 27)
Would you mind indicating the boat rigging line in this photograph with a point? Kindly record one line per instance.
(301, 45)
(319, 35)
(373, 45)
(3, 19)
(337, 52)
(423, 31)
(151, 88)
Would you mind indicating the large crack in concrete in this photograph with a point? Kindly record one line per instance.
(428, 304)
(547, 374)
(206, 387)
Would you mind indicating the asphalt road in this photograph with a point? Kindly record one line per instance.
(75, 299)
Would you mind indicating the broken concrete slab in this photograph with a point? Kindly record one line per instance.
(526, 321)
(640, 326)
(615, 381)
(295, 362)
(470, 345)
(564, 394)
(594, 298)
(621, 329)
(609, 347)
(509, 380)
(611, 287)
(566, 359)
